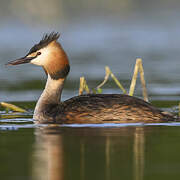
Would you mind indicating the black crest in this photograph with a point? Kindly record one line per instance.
(47, 38)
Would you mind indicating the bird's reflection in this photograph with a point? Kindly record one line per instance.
(83, 153)
(48, 155)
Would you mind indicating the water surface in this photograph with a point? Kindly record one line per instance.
(93, 152)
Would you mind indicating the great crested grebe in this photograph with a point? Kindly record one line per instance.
(89, 108)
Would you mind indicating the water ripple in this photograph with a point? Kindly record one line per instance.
(106, 125)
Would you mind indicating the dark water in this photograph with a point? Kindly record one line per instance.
(129, 152)
(94, 34)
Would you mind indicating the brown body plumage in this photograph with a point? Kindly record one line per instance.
(103, 108)
(90, 108)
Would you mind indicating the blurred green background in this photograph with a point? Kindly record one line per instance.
(94, 34)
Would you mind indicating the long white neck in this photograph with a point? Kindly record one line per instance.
(50, 95)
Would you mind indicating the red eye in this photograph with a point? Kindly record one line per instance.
(38, 53)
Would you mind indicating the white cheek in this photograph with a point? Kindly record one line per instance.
(37, 61)
(41, 59)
